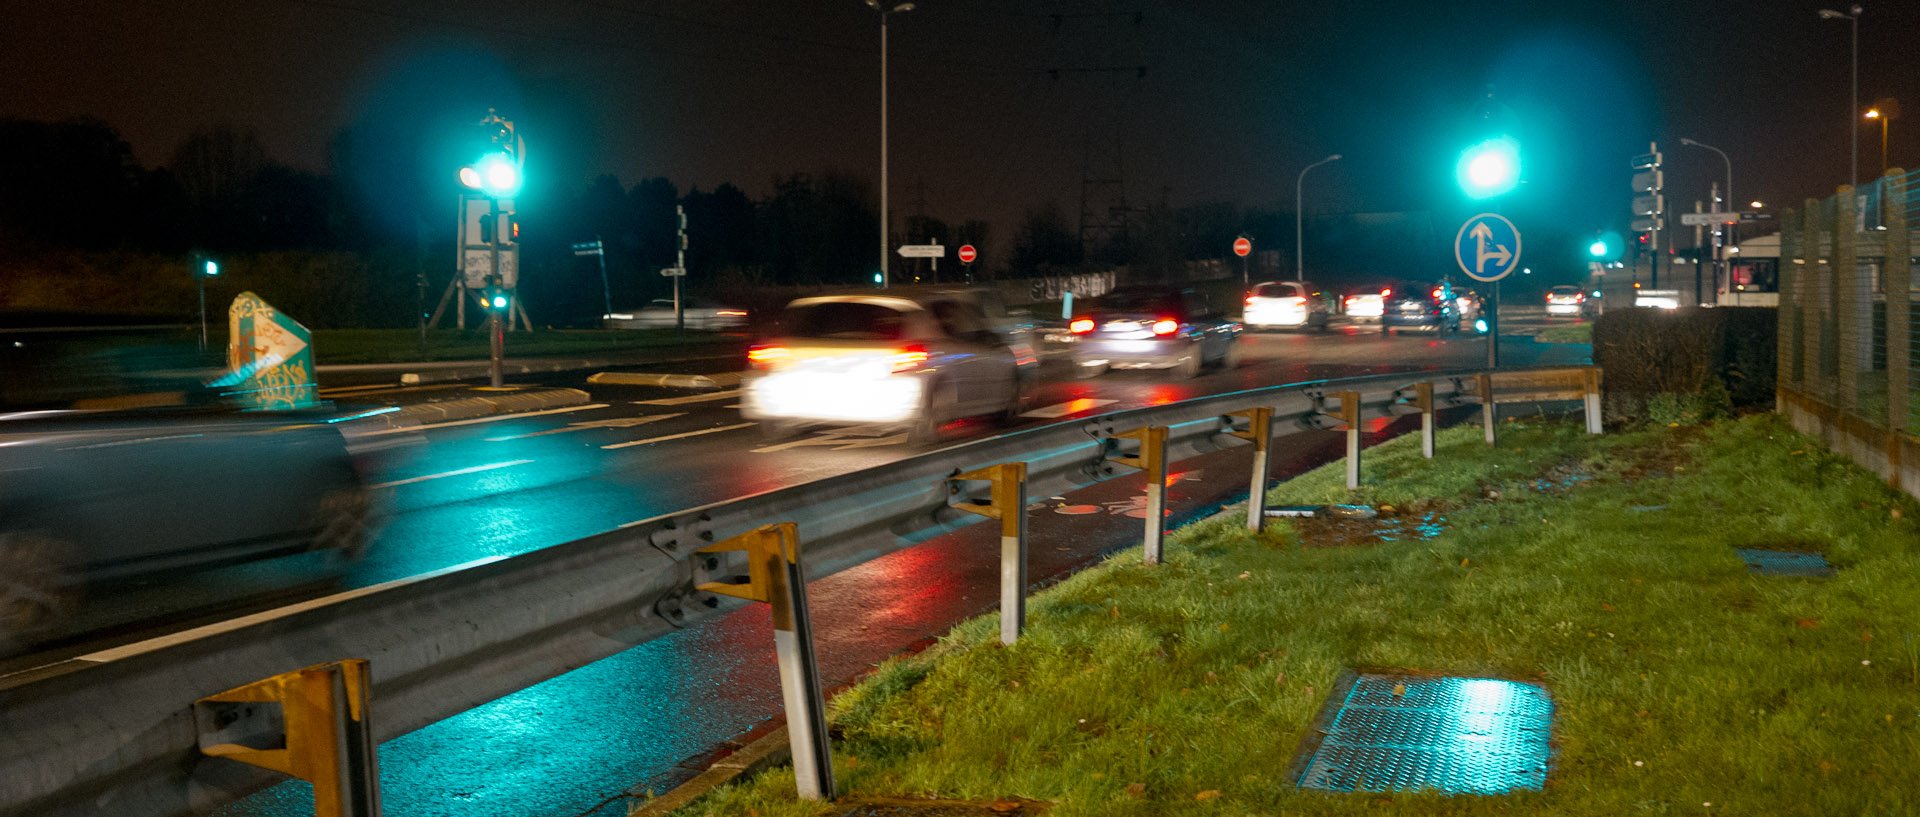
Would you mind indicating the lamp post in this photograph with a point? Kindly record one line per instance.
(1885, 110)
(207, 270)
(885, 12)
(1852, 16)
(1299, 223)
(1717, 228)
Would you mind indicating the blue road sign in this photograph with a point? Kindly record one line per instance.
(1488, 247)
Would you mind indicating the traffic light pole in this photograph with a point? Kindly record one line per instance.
(496, 329)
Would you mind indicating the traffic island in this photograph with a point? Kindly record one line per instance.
(1675, 679)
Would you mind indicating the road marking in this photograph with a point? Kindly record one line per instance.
(474, 470)
(384, 388)
(1070, 407)
(492, 419)
(617, 422)
(681, 401)
(842, 440)
(679, 436)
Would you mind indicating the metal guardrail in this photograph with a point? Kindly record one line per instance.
(115, 732)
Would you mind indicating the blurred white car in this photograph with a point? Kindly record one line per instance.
(912, 360)
(1365, 307)
(1566, 300)
(700, 314)
(1284, 304)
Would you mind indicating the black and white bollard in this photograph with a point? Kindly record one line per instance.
(1007, 503)
(1260, 432)
(1153, 460)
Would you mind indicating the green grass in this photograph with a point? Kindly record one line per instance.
(337, 346)
(1679, 679)
(1567, 333)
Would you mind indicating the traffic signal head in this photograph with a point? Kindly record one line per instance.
(1489, 168)
(496, 174)
(1605, 247)
(498, 300)
(212, 269)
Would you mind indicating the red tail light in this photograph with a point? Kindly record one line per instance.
(1081, 326)
(1385, 292)
(1351, 299)
(1165, 326)
(908, 358)
(1249, 300)
(763, 356)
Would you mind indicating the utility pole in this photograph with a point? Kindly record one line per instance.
(680, 271)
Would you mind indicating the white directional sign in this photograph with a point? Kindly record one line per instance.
(1487, 247)
(1647, 205)
(673, 271)
(922, 251)
(1709, 218)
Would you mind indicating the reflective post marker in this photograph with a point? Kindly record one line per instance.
(1260, 433)
(1483, 383)
(1423, 398)
(1590, 384)
(775, 576)
(323, 734)
(1008, 503)
(1153, 460)
(1350, 415)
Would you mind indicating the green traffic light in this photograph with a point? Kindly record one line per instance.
(213, 269)
(499, 302)
(498, 175)
(1597, 249)
(1489, 168)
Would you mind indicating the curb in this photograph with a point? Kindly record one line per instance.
(673, 381)
(469, 407)
(769, 750)
(470, 372)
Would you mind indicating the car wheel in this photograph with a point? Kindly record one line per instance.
(1022, 393)
(1188, 367)
(779, 431)
(345, 517)
(34, 591)
(1230, 359)
(924, 432)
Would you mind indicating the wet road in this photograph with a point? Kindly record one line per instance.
(509, 485)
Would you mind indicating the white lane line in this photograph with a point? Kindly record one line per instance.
(681, 401)
(474, 470)
(617, 422)
(1069, 407)
(679, 436)
(490, 419)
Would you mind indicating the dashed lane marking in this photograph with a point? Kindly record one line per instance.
(696, 398)
(488, 419)
(474, 470)
(617, 422)
(679, 436)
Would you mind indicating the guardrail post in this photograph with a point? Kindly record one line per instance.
(1349, 415)
(1590, 386)
(1483, 383)
(1423, 399)
(1008, 503)
(775, 576)
(1260, 433)
(1152, 460)
(322, 732)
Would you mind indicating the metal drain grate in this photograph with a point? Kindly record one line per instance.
(1785, 562)
(1453, 735)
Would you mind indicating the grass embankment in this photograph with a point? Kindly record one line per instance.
(340, 346)
(1581, 332)
(1599, 566)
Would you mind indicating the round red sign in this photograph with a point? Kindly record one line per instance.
(967, 254)
(1242, 247)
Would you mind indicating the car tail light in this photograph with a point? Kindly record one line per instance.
(730, 313)
(764, 356)
(1351, 299)
(1295, 301)
(908, 358)
(1165, 326)
(1249, 300)
(1386, 292)
(1081, 326)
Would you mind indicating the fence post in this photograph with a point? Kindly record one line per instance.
(1483, 383)
(1260, 433)
(1153, 460)
(1848, 310)
(1814, 302)
(1008, 503)
(1899, 288)
(1590, 387)
(1423, 398)
(775, 576)
(323, 733)
(1787, 352)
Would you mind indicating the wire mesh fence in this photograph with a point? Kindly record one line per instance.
(1848, 330)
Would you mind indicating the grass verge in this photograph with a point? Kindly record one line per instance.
(1600, 566)
(1581, 332)
(342, 346)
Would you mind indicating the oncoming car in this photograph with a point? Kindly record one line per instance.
(1153, 328)
(907, 361)
(1285, 304)
(696, 313)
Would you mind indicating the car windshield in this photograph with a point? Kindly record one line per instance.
(843, 320)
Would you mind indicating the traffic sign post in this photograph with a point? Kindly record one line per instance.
(1243, 247)
(967, 254)
(1488, 249)
(595, 248)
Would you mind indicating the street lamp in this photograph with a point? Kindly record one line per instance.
(885, 12)
(1299, 225)
(1852, 16)
(1885, 110)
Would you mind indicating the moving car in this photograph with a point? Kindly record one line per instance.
(173, 479)
(699, 313)
(1285, 304)
(1433, 309)
(1366, 307)
(899, 359)
(1566, 299)
(1153, 328)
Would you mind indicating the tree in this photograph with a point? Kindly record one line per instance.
(1045, 243)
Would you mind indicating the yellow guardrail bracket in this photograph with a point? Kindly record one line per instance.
(310, 723)
(1005, 477)
(765, 546)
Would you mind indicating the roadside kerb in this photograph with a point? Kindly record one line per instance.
(113, 730)
(469, 407)
(671, 381)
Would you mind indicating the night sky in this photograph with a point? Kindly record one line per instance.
(996, 103)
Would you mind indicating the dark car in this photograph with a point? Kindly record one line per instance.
(150, 473)
(1153, 328)
(1433, 308)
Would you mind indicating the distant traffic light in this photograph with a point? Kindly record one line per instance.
(497, 300)
(1605, 247)
(213, 268)
(1489, 168)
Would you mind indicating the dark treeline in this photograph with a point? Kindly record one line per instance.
(85, 227)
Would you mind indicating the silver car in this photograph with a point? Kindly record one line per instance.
(894, 361)
(1153, 328)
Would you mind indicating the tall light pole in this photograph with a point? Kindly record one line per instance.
(1717, 228)
(1885, 110)
(1852, 16)
(885, 11)
(1299, 223)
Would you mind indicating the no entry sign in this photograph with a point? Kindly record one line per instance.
(967, 254)
(1242, 247)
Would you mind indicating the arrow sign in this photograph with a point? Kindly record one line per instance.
(922, 251)
(1487, 247)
